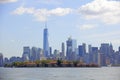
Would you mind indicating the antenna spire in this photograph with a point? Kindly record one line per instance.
(46, 24)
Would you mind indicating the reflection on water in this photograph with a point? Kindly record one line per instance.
(105, 73)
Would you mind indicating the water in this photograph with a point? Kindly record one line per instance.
(104, 73)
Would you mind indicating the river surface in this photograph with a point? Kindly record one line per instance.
(104, 73)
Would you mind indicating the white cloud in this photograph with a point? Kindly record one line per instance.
(21, 10)
(87, 26)
(60, 11)
(7, 1)
(108, 11)
(42, 14)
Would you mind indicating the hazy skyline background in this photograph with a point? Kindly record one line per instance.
(88, 21)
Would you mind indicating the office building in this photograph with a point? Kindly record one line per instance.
(15, 59)
(62, 51)
(26, 52)
(71, 49)
(46, 43)
(119, 49)
(89, 49)
(94, 58)
(38, 53)
(1, 59)
(50, 48)
(34, 52)
(82, 51)
(56, 54)
(6, 60)
(104, 48)
(107, 52)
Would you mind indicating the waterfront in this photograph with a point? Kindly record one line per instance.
(103, 73)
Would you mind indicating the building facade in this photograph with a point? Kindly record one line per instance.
(1, 59)
(26, 53)
(71, 49)
(46, 43)
(62, 55)
(82, 52)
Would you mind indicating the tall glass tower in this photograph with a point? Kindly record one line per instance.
(45, 43)
(71, 49)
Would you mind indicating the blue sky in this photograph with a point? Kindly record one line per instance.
(88, 21)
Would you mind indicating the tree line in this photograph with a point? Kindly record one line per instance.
(50, 63)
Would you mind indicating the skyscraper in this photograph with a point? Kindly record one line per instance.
(105, 50)
(63, 49)
(26, 53)
(34, 52)
(94, 57)
(1, 59)
(82, 51)
(89, 49)
(71, 49)
(119, 49)
(62, 53)
(45, 43)
(39, 51)
(50, 49)
(84, 48)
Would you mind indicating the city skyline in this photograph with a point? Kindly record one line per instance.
(104, 55)
(22, 23)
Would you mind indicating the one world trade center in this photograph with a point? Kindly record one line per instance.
(45, 42)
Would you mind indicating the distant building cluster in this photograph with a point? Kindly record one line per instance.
(103, 55)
